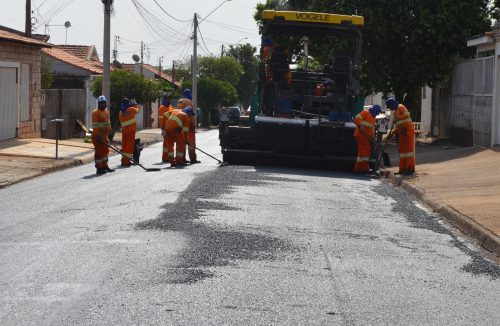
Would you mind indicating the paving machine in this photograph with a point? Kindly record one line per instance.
(307, 93)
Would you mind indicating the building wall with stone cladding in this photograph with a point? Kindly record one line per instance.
(31, 55)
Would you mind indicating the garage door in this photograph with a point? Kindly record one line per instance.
(8, 102)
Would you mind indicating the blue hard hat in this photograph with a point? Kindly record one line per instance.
(166, 99)
(188, 110)
(267, 41)
(101, 98)
(187, 94)
(375, 110)
(392, 103)
(126, 103)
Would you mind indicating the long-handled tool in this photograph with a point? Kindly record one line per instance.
(132, 160)
(220, 162)
(384, 155)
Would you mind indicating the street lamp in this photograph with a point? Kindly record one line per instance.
(223, 2)
(245, 38)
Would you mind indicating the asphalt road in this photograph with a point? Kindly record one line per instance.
(209, 245)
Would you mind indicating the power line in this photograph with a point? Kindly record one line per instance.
(203, 41)
(169, 15)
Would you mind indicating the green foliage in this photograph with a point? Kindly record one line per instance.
(407, 43)
(211, 93)
(224, 68)
(245, 55)
(46, 75)
(131, 85)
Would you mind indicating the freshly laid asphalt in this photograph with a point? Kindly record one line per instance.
(460, 183)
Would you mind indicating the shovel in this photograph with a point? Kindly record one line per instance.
(220, 162)
(132, 160)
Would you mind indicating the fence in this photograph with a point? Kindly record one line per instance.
(472, 101)
(67, 104)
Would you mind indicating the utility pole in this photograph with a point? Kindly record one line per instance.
(159, 64)
(222, 50)
(27, 27)
(194, 68)
(142, 58)
(106, 80)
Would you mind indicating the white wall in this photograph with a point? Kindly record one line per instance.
(426, 110)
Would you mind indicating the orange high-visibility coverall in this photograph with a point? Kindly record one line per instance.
(181, 105)
(177, 128)
(129, 127)
(100, 130)
(365, 130)
(406, 132)
(163, 115)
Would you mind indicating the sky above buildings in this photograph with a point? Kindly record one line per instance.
(164, 26)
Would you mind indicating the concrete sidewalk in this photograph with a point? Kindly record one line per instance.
(22, 159)
(460, 183)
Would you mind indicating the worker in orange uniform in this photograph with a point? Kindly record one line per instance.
(177, 127)
(128, 111)
(101, 127)
(277, 61)
(365, 135)
(403, 127)
(163, 114)
(191, 135)
(184, 102)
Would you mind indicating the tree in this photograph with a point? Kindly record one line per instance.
(245, 55)
(46, 76)
(128, 84)
(211, 93)
(407, 44)
(224, 68)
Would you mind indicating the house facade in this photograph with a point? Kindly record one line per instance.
(20, 84)
(468, 111)
(74, 67)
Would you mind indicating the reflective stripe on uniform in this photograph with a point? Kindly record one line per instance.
(171, 154)
(399, 122)
(100, 124)
(165, 149)
(177, 120)
(362, 159)
(127, 155)
(167, 114)
(368, 124)
(406, 155)
(186, 129)
(181, 154)
(128, 123)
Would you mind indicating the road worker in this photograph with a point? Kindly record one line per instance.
(163, 114)
(403, 127)
(101, 127)
(191, 135)
(177, 127)
(128, 111)
(185, 100)
(365, 136)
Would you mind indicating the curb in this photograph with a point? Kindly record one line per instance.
(466, 224)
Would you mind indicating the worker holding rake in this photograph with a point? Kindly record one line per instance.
(365, 135)
(406, 136)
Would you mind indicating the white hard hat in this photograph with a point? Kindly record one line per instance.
(101, 98)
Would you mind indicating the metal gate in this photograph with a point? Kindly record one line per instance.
(472, 98)
(9, 112)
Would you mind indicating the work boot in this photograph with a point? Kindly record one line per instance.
(100, 171)
(108, 169)
(195, 161)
